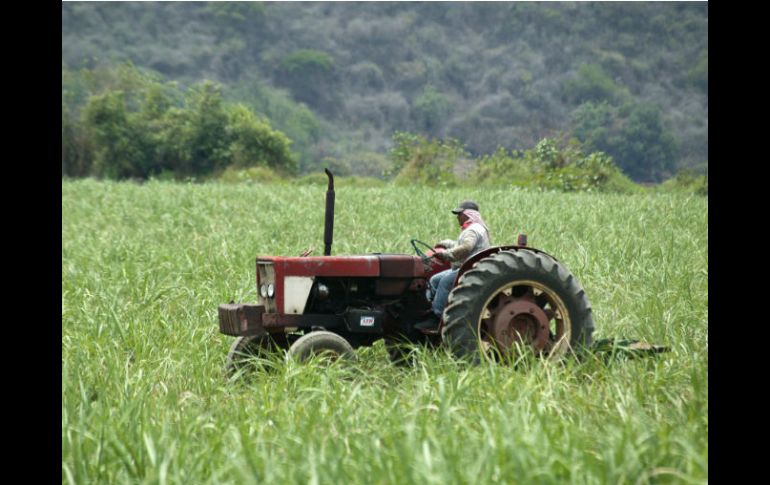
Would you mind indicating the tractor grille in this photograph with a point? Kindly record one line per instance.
(266, 276)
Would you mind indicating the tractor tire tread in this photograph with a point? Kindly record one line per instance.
(310, 343)
(465, 300)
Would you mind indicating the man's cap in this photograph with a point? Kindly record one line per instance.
(464, 205)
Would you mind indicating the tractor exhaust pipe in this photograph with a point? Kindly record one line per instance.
(329, 216)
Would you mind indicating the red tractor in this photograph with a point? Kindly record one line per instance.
(504, 298)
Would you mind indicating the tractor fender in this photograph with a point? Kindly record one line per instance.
(475, 258)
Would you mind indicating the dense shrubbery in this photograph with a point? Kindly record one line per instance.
(309, 74)
(294, 119)
(123, 123)
(629, 79)
(563, 165)
(548, 166)
(688, 181)
(251, 175)
(417, 160)
(360, 164)
(591, 83)
(632, 133)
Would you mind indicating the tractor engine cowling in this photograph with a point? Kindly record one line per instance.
(292, 285)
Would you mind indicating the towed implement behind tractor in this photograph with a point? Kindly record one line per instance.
(504, 299)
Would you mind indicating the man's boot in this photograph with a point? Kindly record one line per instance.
(430, 323)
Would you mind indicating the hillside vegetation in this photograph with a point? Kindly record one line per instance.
(145, 399)
(339, 79)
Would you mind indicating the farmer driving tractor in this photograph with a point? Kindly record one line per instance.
(510, 295)
(473, 238)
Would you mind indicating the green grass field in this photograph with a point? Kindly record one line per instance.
(144, 399)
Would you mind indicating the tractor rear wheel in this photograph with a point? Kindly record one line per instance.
(321, 342)
(515, 300)
(248, 350)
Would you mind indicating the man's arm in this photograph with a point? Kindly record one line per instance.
(463, 249)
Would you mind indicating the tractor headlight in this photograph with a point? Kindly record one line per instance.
(270, 290)
(263, 291)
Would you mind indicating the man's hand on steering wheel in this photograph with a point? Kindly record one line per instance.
(443, 255)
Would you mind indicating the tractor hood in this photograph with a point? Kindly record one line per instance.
(375, 265)
(284, 283)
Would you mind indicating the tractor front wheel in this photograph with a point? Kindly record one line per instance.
(321, 342)
(515, 300)
(249, 350)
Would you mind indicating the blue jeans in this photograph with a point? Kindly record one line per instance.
(441, 285)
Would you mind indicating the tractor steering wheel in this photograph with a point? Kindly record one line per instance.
(425, 258)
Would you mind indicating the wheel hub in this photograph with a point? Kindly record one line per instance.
(518, 320)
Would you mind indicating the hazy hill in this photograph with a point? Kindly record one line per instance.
(627, 78)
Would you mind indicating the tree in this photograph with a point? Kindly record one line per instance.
(430, 110)
(699, 74)
(594, 124)
(76, 150)
(254, 142)
(121, 145)
(308, 74)
(417, 160)
(206, 130)
(592, 84)
(648, 151)
(633, 135)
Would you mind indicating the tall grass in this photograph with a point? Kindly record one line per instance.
(144, 399)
